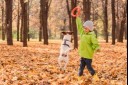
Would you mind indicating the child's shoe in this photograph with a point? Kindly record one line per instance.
(80, 78)
(95, 77)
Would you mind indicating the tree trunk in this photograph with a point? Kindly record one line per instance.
(117, 29)
(96, 33)
(73, 5)
(3, 21)
(126, 31)
(9, 21)
(28, 20)
(106, 21)
(24, 22)
(45, 30)
(87, 9)
(94, 17)
(123, 21)
(25, 30)
(113, 21)
(69, 15)
(117, 22)
(45, 4)
(40, 30)
(64, 23)
(40, 33)
(18, 21)
(121, 31)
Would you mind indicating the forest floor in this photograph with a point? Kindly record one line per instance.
(37, 65)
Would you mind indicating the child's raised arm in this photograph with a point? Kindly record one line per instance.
(79, 25)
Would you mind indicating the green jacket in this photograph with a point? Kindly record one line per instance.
(88, 41)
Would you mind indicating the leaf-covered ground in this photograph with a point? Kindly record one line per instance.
(37, 65)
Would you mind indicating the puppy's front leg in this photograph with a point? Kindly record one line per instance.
(68, 50)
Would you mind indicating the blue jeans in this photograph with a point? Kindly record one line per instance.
(86, 62)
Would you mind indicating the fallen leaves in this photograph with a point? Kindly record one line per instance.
(37, 64)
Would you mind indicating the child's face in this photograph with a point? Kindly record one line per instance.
(86, 29)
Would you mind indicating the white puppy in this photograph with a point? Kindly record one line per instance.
(64, 49)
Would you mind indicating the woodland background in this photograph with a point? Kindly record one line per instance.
(30, 39)
(37, 19)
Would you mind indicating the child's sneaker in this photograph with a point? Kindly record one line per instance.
(80, 78)
(95, 77)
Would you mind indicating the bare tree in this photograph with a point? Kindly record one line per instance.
(44, 5)
(18, 21)
(3, 20)
(87, 9)
(25, 21)
(28, 8)
(73, 5)
(41, 27)
(9, 21)
(69, 14)
(105, 21)
(118, 21)
(123, 26)
(113, 21)
(22, 21)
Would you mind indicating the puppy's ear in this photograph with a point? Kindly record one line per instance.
(64, 33)
(70, 33)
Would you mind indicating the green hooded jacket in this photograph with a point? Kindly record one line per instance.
(88, 41)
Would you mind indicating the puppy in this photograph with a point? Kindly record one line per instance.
(64, 50)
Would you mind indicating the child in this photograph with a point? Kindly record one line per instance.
(88, 45)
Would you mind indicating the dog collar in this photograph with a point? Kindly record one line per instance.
(65, 42)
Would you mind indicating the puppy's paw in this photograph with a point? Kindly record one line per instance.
(62, 70)
(70, 49)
